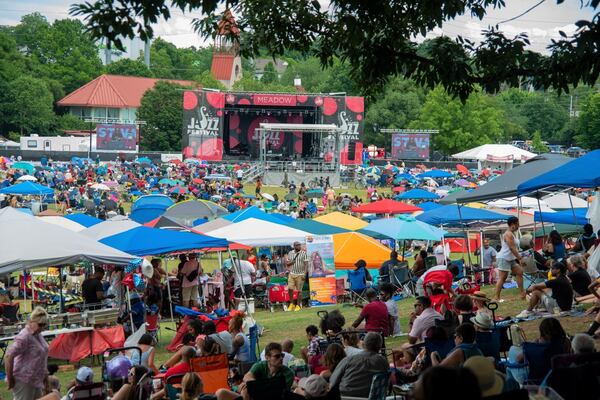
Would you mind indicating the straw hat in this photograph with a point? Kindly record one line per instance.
(483, 320)
(481, 296)
(490, 381)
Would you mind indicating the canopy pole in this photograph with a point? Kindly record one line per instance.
(573, 211)
(130, 313)
(541, 216)
(236, 267)
(61, 307)
(169, 294)
(466, 232)
(444, 245)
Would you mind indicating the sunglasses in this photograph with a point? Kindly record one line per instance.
(278, 355)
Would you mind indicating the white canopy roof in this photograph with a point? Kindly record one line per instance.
(110, 227)
(256, 233)
(560, 201)
(28, 242)
(513, 202)
(298, 127)
(482, 152)
(63, 223)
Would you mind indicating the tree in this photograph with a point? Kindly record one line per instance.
(162, 110)
(69, 122)
(269, 74)
(537, 144)
(31, 33)
(249, 84)
(310, 72)
(588, 132)
(544, 114)
(29, 105)
(128, 67)
(462, 126)
(358, 32)
(207, 80)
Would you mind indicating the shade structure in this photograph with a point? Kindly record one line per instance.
(146, 208)
(417, 194)
(212, 225)
(83, 219)
(429, 205)
(24, 166)
(342, 220)
(435, 173)
(27, 178)
(255, 212)
(315, 227)
(51, 245)
(28, 189)
(110, 227)
(482, 153)
(506, 184)
(451, 216)
(563, 217)
(144, 241)
(386, 206)
(257, 233)
(563, 201)
(166, 223)
(517, 202)
(582, 172)
(350, 247)
(62, 222)
(403, 228)
(186, 212)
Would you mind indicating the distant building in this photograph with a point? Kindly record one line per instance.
(226, 64)
(133, 49)
(260, 64)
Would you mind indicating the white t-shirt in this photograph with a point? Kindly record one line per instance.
(420, 290)
(247, 270)
(287, 357)
(392, 308)
(239, 173)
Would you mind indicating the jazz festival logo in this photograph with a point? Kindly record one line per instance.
(348, 128)
(204, 125)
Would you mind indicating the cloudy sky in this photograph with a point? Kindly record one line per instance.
(542, 24)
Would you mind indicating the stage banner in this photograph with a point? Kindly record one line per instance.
(410, 146)
(203, 125)
(347, 112)
(321, 273)
(116, 137)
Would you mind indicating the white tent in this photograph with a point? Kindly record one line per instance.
(63, 223)
(514, 202)
(493, 152)
(110, 227)
(256, 233)
(212, 225)
(560, 201)
(28, 242)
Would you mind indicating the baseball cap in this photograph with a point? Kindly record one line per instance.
(85, 375)
(314, 386)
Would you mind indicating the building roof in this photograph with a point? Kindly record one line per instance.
(115, 91)
(227, 25)
(222, 66)
(279, 64)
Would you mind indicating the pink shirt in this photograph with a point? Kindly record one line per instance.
(30, 354)
(189, 266)
(423, 322)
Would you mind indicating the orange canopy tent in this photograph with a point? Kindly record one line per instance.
(350, 247)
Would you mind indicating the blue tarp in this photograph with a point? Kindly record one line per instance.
(418, 194)
(28, 188)
(255, 212)
(316, 227)
(144, 241)
(435, 173)
(149, 207)
(562, 217)
(449, 216)
(83, 219)
(583, 172)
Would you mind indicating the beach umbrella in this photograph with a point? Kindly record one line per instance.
(29, 178)
(165, 181)
(100, 186)
(268, 196)
(403, 228)
(24, 166)
(112, 184)
(463, 170)
(418, 194)
(373, 170)
(144, 160)
(462, 183)
(178, 190)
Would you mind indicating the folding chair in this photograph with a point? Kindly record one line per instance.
(538, 357)
(358, 284)
(430, 261)
(152, 325)
(253, 338)
(402, 278)
(214, 371)
(173, 386)
(443, 347)
(340, 290)
(379, 386)
(531, 273)
(489, 343)
(273, 388)
(575, 376)
(92, 391)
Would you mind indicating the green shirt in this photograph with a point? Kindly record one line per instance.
(261, 370)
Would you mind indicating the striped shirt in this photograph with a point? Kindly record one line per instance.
(299, 262)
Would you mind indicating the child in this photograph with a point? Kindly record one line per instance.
(386, 291)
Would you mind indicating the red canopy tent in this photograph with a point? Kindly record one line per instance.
(386, 206)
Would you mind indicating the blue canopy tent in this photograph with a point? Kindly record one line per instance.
(149, 207)
(454, 216)
(144, 241)
(417, 194)
(582, 172)
(255, 212)
(83, 219)
(316, 227)
(565, 217)
(429, 205)
(435, 173)
(28, 189)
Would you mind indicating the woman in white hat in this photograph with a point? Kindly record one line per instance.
(27, 357)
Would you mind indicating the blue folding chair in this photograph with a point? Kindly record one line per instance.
(358, 284)
(461, 269)
(538, 358)
(489, 343)
(253, 338)
(443, 347)
(379, 386)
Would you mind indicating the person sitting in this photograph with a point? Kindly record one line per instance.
(386, 291)
(332, 357)
(353, 375)
(491, 382)
(420, 265)
(146, 358)
(223, 338)
(386, 267)
(313, 349)
(287, 345)
(312, 387)
(582, 343)
(361, 265)
(375, 314)
(555, 247)
(422, 319)
(332, 323)
(463, 306)
(241, 343)
(183, 367)
(84, 377)
(464, 339)
(560, 298)
(134, 388)
(587, 239)
(579, 277)
(192, 388)
(351, 343)
(447, 383)
(551, 332)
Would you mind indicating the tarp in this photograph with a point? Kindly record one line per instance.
(110, 227)
(255, 212)
(429, 205)
(315, 227)
(506, 184)
(582, 172)
(403, 228)
(144, 241)
(417, 194)
(63, 223)
(257, 233)
(481, 153)
(350, 247)
(385, 206)
(450, 216)
(342, 220)
(563, 217)
(28, 189)
(149, 207)
(212, 225)
(28, 242)
(83, 219)
(563, 201)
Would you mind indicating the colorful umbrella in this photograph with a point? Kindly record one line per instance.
(178, 190)
(373, 170)
(403, 228)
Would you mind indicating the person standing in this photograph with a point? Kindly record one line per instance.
(27, 358)
(189, 283)
(297, 263)
(92, 290)
(488, 259)
(509, 258)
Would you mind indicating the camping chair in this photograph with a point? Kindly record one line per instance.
(253, 338)
(575, 376)
(358, 284)
(443, 347)
(340, 290)
(538, 358)
(92, 391)
(379, 386)
(461, 269)
(402, 278)
(173, 386)
(116, 382)
(152, 325)
(430, 261)
(273, 388)
(531, 273)
(214, 371)
(489, 343)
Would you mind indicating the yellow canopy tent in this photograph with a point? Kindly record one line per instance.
(350, 247)
(342, 220)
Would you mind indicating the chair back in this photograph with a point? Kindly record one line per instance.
(253, 339)
(273, 388)
(173, 392)
(151, 322)
(214, 371)
(92, 391)
(489, 343)
(576, 376)
(539, 356)
(461, 268)
(379, 386)
(399, 275)
(443, 347)
(357, 280)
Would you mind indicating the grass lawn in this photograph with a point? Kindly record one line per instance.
(279, 325)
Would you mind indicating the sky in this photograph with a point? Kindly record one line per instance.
(541, 24)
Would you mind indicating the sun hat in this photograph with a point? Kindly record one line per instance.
(314, 386)
(39, 316)
(482, 320)
(481, 296)
(490, 381)
(85, 375)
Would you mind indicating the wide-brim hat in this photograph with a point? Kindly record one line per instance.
(481, 296)
(483, 320)
(490, 381)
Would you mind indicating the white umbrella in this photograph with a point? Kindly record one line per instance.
(100, 186)
(267, 196)
(27, 178)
